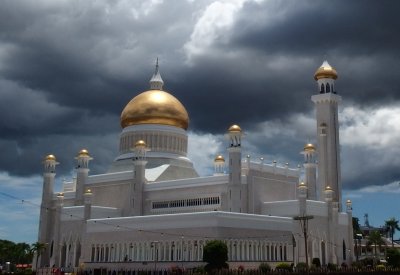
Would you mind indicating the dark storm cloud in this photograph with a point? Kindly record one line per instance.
(67, 69)
(358, 37)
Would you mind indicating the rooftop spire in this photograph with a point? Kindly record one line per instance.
(156, 82)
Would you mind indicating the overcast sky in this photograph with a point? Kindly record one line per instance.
(68, 68)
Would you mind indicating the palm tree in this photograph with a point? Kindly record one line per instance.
(375, 238)
(38, 248)
(392, 225)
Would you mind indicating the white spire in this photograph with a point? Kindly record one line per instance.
(156, 82)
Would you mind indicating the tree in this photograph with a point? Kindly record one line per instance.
(356, 227)
(392, 225)
(215, 253)
(15, 253)
(38, 248)
(375, 238)
(393, 257)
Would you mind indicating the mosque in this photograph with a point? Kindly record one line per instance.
(153, 210)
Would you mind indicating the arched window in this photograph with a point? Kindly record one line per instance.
(328, 88)
(322, 91)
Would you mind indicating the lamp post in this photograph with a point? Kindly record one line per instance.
(154, 244)
(183, 253)
(304, 226)
(358, 245)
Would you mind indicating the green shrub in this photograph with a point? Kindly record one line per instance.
(283, 267)
(380, 267)
(332, 267)
(264, 267)
(316, 262)
(198, 270)
(393, 257)
(215, 253)
(301, 266)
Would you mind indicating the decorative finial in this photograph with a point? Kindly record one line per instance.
(156, 82)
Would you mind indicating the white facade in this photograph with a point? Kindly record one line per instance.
(151, 208)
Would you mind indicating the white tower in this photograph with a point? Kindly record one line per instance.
(82, 173)
(326, 103)
(139, 179)
(235, 169)
(310, 170)
(46, 208)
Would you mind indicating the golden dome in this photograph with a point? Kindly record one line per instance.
(309, 147)
(348, 201)
(234, 128)
(140, 143)
(83, 153)
(50, 157)
(155, 107)
(328, 188)
(219, 158)
(325, 71)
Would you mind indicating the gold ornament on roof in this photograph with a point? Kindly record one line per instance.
(325, 71)
(219, 158)
(83, 153)
(234, 128)
(140, 143)
(50, 157)
(309, 147)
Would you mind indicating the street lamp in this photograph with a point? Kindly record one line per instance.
(183, 253)
(304, 225)
(358, 247)
(154, 244)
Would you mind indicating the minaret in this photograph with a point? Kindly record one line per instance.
(57, 227)
(326, 103)
(82, 173)
(139, 179)
(310, 171)
(156, 82)
(235, 169)
(87, 214)
(45, 222)
(219, 165)
(349, 245)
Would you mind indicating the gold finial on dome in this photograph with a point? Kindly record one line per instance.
(140, 143)
(50, 157)
(234, 128)
(219, 158)
(309, 147)
(325, 71)
(83, 153)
